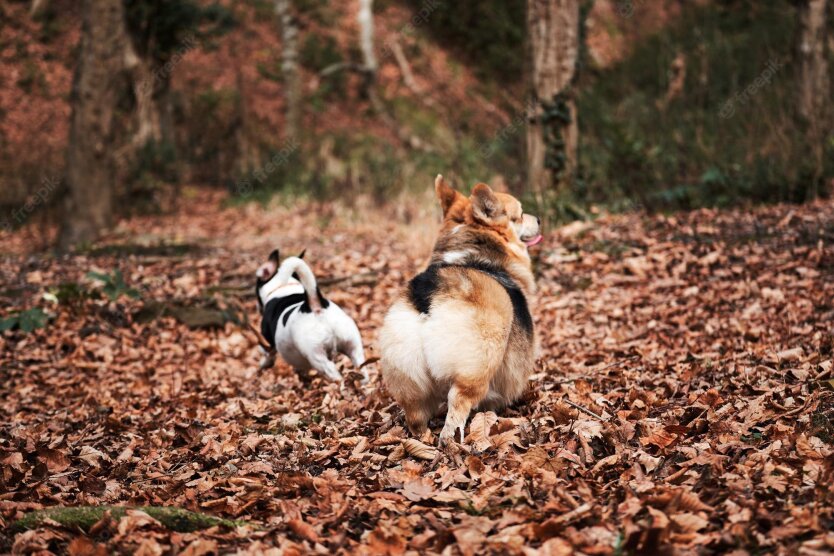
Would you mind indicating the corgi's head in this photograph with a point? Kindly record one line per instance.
(500, 214)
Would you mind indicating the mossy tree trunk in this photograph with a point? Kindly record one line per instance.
(552, 133)
(84, 517)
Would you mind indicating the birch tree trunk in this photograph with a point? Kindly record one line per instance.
(90, 165)
(289, 65)
(365, 18)
(552, 132)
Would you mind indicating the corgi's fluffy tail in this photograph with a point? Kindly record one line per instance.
(294, 265)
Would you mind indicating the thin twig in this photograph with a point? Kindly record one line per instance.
(584, 410)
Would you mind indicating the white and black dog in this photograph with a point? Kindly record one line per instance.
(300, 324)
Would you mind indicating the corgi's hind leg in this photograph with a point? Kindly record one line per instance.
(462, 398)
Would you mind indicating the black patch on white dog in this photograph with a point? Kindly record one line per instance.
(421, 290)
(280, 308)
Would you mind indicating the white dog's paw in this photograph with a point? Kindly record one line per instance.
(267, 359)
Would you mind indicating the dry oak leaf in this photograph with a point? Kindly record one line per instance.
(385, 543)
(479, 429)
(351, 441)
(55, 460)
(83, 546)
(658, 437)
(537, 460)
(303, 529)
(93, 457)
(679, 500)
(790, 355)
(419, 489)
(556, 547)
(415, 448)
(393, 436)
(689, 522)
(36, 540)
(811, 447)
(135, 519)
(200, 547)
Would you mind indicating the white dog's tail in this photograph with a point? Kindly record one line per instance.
(294, 265)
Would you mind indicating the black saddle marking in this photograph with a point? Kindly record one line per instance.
(422, 288)
(281, 308)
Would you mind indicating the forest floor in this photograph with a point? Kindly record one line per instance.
(683, 401)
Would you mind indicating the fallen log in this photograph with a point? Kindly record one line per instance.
(84, 517)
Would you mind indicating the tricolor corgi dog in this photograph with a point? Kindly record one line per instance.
(307, 329)
(461, 332)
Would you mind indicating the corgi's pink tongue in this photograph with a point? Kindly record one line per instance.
(535, 241)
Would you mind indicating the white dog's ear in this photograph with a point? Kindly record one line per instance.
(445, 194)
(301, 255)
(486, 207)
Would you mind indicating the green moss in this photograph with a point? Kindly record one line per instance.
(84, 517)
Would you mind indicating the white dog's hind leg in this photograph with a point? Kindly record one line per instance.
(356, 352)
(267, 358)
(319, 361)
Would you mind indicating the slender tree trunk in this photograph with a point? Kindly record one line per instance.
(552, 132)
(814, 99)
(148, 126)
(289, 65)
(90, 165)
(38, 7)
(248, 153)
(365, 18)
(814, 93)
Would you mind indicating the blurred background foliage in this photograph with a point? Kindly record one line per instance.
(664, 125)
(696, 149)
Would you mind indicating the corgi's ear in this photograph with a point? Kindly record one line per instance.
(486, 207)
(274, 257)
(445, 194)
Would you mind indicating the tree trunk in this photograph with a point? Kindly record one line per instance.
(248, 153)
(148, 126)
(552, 132)
(38, 7)
(90, 165)
(289, 65)
(814, 86)
(365, 18)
